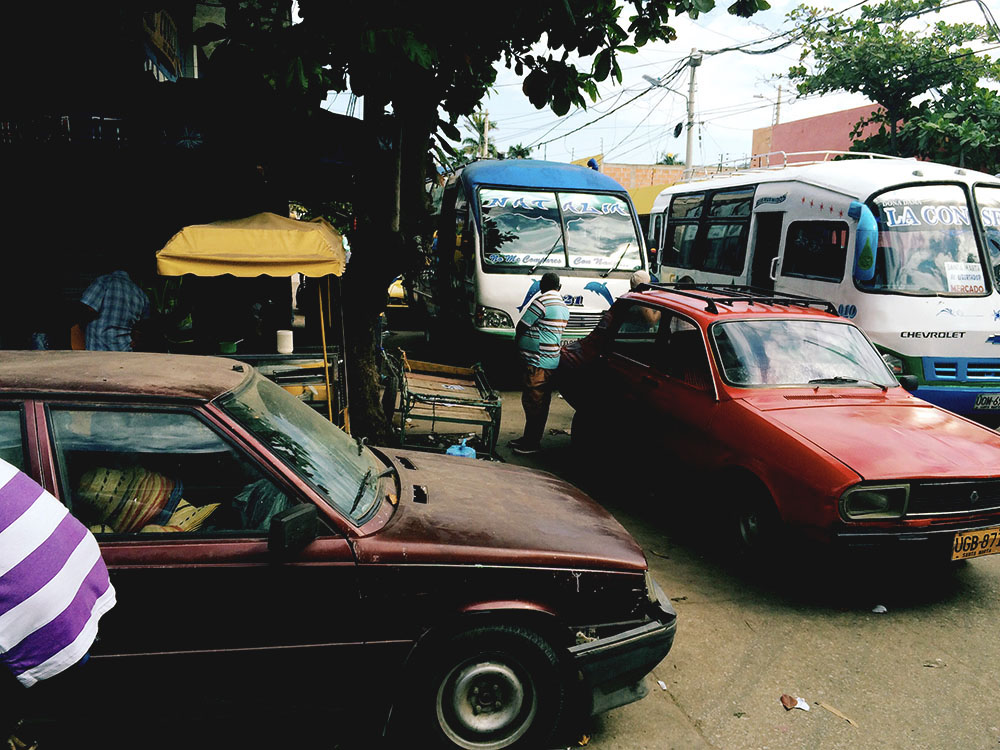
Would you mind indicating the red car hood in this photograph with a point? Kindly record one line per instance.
(887, 437)
(497, 514)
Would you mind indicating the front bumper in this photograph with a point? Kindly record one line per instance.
(959, 399)
(929, 538)
(614, 668)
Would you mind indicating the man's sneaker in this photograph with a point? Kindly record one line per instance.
(522, 448)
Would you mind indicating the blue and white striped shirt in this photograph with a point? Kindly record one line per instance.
(546, 317)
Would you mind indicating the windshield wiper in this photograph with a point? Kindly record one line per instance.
(546, 256)
(840, 379)
(620, 257)
(362, 488)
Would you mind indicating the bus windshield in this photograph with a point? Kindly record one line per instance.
(988, 201)
(927, 243)
(523, 230)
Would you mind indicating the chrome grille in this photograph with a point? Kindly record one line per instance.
(583, 320)
(983, 370)
(946, 370)
(961, 497)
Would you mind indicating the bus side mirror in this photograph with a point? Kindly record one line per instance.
(865, 241)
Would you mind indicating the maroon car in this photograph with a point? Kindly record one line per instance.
(256, 547)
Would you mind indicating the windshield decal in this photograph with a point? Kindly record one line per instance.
(929, 215)
(585, 207)
(965, 277)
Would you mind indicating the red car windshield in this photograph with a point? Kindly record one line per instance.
(778, 352)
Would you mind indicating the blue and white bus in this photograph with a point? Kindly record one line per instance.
(502, 224)
(908, 249)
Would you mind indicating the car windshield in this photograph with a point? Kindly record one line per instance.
(317, 450)
(797, 352)
(988, 200)
(523, 230)
(926, 244)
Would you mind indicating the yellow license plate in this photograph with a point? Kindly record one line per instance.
(975, 543)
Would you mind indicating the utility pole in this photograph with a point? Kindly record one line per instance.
(777, 107)
(486, 133)
(693, 62)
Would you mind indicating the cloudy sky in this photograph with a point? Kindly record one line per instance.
(735, 93)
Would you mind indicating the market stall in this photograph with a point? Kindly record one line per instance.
(267, 244)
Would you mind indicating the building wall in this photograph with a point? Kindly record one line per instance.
(829, 132)
(632, 176)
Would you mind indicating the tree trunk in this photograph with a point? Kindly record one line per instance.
(391, 212)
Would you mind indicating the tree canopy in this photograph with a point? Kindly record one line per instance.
(924, 75)
(420, 70)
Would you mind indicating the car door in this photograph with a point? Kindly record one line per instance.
(667, 387)
(181, 508)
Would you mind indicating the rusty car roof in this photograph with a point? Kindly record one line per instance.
(174, 376)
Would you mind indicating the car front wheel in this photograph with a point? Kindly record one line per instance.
(496, 687)
(757, 525)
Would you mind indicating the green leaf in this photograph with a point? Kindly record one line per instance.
(628, 49)
(602, 65)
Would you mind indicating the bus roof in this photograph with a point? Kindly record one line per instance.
(858, 178)
(532, 173)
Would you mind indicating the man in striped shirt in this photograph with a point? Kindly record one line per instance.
(539, 336)
(54, 587)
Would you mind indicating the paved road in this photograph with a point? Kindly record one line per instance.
(925, 674)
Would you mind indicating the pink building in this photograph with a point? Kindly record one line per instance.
(829, 132)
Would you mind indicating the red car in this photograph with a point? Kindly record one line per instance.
(258, 549)
(785, 419)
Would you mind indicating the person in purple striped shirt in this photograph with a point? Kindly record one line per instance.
(54, 587)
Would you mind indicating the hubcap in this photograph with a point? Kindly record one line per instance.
(485, 705)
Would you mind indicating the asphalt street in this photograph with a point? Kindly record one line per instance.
(886, 652)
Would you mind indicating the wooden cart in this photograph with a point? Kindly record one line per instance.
(440, 398)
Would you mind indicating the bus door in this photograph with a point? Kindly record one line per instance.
(766, 242)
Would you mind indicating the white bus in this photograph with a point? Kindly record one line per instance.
(502, 224)
(909, 250)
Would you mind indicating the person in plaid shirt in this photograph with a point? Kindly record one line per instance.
(110, 308)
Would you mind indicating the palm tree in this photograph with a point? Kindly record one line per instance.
(482, 130)
(519, 151)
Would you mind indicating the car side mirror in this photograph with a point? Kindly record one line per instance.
(293, 529)
(909, 382)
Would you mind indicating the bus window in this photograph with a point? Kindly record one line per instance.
(725, 240)
(656, 240)
(988, 199)
(816, 250)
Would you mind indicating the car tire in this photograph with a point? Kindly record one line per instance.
(494, 687)
(756, 524)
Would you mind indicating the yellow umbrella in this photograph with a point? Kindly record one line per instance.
(264, 244)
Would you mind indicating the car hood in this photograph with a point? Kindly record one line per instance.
(888, 437)
(461, 510)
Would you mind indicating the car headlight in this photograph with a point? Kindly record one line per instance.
(895, 364)
(490, 317)
(872, 503)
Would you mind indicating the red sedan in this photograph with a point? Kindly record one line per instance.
(785, 419)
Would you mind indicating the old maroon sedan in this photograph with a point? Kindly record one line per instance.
(255, 546)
